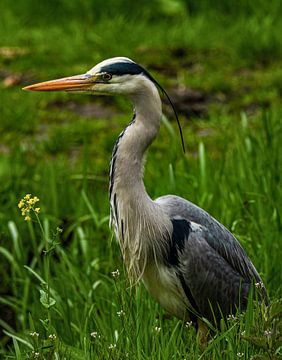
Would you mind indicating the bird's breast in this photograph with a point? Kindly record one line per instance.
(164, 286)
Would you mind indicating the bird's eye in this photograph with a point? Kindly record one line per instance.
(107, 76)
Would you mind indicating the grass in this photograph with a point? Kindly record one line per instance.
(60, 283)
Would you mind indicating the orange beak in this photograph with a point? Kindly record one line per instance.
(73, 83)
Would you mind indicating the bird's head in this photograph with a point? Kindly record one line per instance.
(115, 76)
(118, 75)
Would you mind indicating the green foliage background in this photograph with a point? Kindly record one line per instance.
(227, 56)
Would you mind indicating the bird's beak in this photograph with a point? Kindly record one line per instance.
(73, 83)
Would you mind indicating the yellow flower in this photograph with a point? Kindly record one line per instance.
(24, 211)
(26, 204)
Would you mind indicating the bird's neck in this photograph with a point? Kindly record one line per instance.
(134, 216)
(127, 158)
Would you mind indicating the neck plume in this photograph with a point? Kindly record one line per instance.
(136, 219)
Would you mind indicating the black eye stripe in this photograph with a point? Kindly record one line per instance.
(125, 68)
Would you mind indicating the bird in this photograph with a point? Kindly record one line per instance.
(188, 261)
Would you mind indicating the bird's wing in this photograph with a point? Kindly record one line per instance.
(218, 237)
(212, 286)
(209, 252)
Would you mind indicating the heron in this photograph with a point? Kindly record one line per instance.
(188, 261)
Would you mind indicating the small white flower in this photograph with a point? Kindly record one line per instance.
(240, 354)
(157, 329)
(52, 337)
(259, 285)
(34, 334)
(35, 354)
(112, 346)
(231, 317)
(188, 324)
(120, 313)
(243, 333)
(267, 333)
(95, 335)
(115, 273)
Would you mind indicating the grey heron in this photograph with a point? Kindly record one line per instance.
(188, 261)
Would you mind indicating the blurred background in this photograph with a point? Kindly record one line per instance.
(220, 61)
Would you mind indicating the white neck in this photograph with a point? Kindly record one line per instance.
(137, 219)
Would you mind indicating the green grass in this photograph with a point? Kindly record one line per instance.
(48, 147)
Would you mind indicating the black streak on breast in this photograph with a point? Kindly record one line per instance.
(113, 163)
(114, 157)
(122, 229)
(115, 207)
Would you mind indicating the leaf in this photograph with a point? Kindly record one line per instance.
(35, 274)
(26, 343)
(9, 257)
(15, 237)
(17, 349)
(46, 300)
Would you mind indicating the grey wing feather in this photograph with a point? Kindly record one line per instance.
(221, 239)
(215, 286)
(217, 237)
